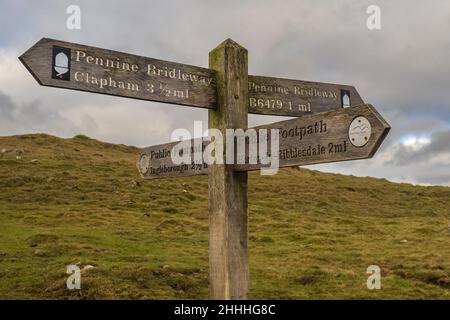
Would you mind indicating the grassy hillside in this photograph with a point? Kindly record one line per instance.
(312, 235)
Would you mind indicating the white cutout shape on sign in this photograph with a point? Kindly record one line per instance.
(61, 64)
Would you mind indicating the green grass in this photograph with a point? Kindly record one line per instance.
(311, 234)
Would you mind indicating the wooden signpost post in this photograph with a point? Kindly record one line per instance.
(333, 124)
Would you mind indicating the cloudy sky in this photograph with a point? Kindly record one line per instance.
(402, 69)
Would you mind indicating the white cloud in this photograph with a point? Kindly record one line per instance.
(415, 143)
(122, 122)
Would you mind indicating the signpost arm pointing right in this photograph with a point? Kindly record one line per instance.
(228, 252)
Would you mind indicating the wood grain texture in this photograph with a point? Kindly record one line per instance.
(156, 80)
(228, 236)
(286, 97)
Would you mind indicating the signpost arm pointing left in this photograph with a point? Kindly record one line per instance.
(228, 252)
(75, 66)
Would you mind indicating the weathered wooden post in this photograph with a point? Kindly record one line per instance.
(228, 251)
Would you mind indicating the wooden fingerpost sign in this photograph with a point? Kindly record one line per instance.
(333, 124)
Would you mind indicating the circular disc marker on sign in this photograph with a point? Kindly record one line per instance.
(359, 131)
(144, 164)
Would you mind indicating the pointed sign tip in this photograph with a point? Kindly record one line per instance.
(23, 59)
(227, 43)
(230, 41)
(385, 124)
